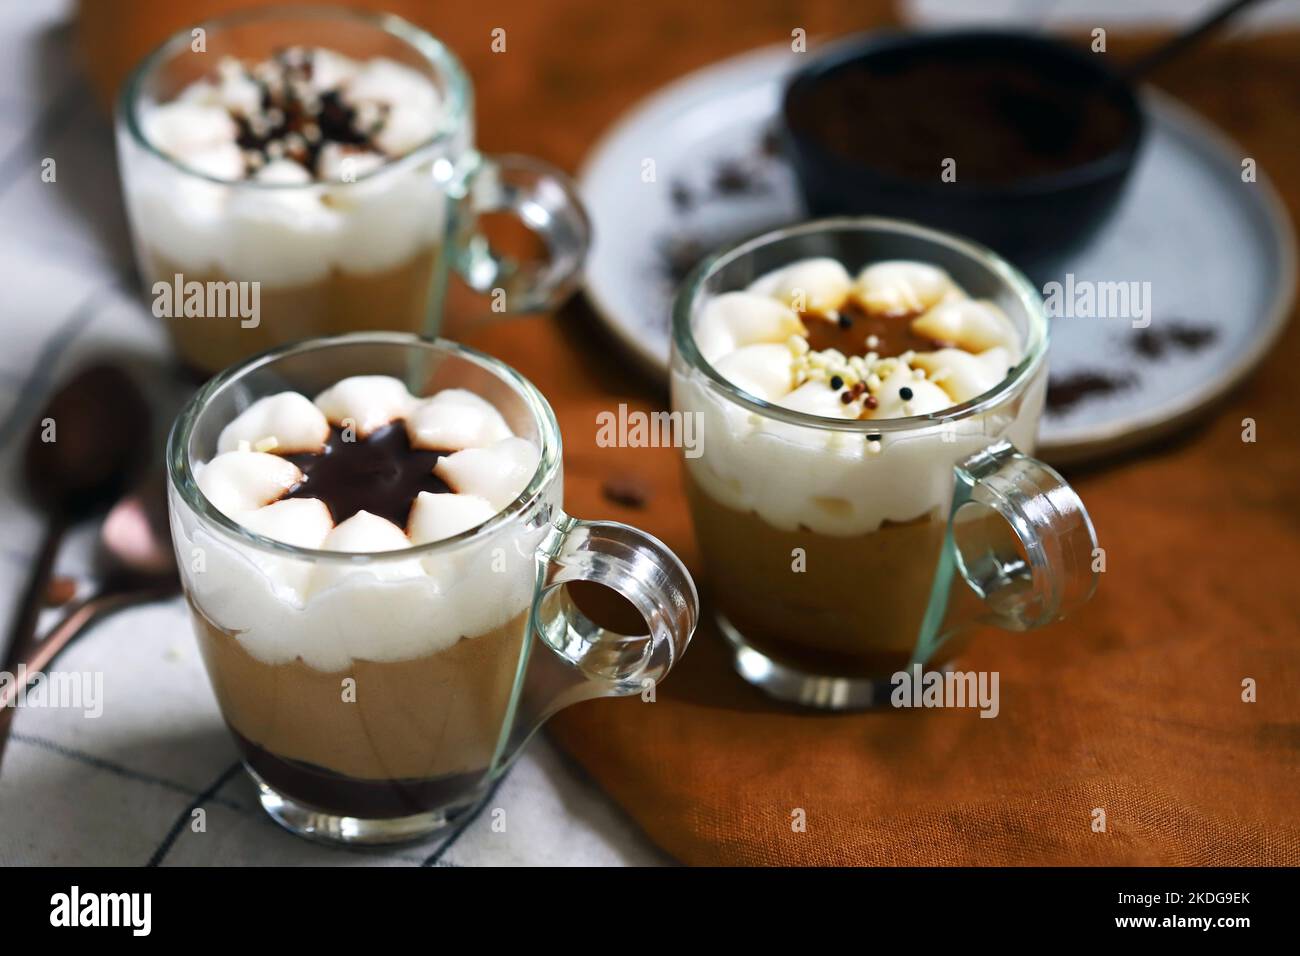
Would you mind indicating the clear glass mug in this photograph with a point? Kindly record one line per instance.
(380, 707)
(838, 553)
(327, 258)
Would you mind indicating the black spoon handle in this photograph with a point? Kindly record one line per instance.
(1171, 48)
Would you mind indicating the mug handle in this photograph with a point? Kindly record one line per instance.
(571, 658)
(546, 202)
(1019, 539)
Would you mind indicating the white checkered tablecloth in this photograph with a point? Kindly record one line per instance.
(120, 789)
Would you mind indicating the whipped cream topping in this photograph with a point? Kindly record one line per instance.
(330, 612)
(898, 339)
(759, 340)
(486, 464)
(304, 114)
(329, 129)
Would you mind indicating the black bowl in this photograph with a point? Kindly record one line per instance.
(1044, 136)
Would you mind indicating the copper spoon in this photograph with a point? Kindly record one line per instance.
(140, 566)
(83, 452)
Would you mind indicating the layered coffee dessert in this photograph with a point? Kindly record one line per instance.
(822, 543)
(369, 677)
(299, 173)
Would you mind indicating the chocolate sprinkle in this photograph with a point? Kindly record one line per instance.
(627, 490)
(679, 255)
(733, 178)
(681, 196)
(1155, 343)
(296, 126)
(1065, 392)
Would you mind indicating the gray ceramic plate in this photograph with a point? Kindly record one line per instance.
(1218, 252)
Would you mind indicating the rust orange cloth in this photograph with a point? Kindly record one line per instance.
(1134, 706)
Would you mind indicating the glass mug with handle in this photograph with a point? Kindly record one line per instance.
(255, 225)
(840, 552)
(380, 704)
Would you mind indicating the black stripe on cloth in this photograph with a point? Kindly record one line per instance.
(463, 824)
(183, 817)
(116, 769)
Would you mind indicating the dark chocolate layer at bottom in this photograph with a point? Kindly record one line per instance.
(351, 796)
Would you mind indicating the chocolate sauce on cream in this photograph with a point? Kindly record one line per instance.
(381, 474)
(294, 121)
(849, 333)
